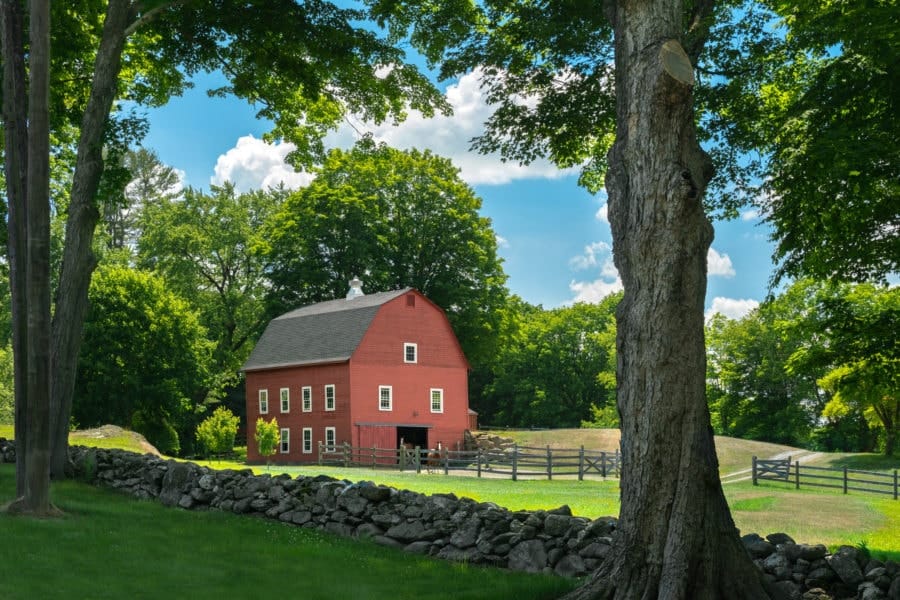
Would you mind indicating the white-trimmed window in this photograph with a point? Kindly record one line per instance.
(307, 440)
(263, 402)
(437, 400)
(330, 437)
(285, 443)
(306, 396)
(285, 400)
(385, 397)
(410, 352)
(329, 397)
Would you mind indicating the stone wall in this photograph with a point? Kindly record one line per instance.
(452, 528)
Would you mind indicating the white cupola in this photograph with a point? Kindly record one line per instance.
(355, 290)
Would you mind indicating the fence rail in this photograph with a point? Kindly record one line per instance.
(517, 462)
(844, 479)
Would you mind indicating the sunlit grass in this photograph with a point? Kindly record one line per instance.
(111, 546)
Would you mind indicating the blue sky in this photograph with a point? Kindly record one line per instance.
(552, 235)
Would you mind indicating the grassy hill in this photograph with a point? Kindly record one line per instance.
(735, 455)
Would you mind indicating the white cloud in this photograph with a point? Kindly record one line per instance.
(450, 136)
(603, 213)
(594, 291)
(598, 254)
(255, 164)
(502, 242)
(750, 215)
(719, 264)
(591, 257)
(731, 307)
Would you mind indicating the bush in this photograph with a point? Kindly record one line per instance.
(267, 436)
(216, 433)
(158, 431)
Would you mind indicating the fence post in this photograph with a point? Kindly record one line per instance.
(581, 463)
(446, 461)
(603, 464)
(418, 460)
(754, 472)
(320, 454)
(401, 456)
(845, 479)
(797, 474)
(347, 455)
(895, 484)
(549, 463)
(515, 461)
(478, 458)
(373, 457)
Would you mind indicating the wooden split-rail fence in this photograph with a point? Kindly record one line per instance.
(847, 480)
(516, 462)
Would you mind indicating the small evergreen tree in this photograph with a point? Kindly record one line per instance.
(216, 433)
(267, 437)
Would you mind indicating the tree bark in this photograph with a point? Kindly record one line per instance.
(36, 499)
(78, 258)
(16, 167)
(676, 538)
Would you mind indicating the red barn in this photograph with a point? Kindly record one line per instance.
(369, 370)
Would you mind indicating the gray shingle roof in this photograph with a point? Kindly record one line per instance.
(318, 333)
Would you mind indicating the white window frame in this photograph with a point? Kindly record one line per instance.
(306, 398)
(415, 352)
(285, 396)
(390, 398)
(440, 393)
(307, 440)
(330, 387)
(284, 441)
(332, 433)
(264, 401)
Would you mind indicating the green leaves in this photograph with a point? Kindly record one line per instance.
(395, 219)
(144, 359)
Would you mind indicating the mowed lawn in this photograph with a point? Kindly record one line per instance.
(112, 546)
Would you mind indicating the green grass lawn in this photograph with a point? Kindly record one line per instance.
(111, 546)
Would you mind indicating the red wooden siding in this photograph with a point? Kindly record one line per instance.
(379, 360)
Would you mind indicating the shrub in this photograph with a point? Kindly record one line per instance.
(216, 433)
(267, 437)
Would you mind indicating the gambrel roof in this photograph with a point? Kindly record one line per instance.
(318, 333)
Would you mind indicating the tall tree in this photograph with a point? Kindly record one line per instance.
(548, 67)
(858, 352)
(148, 180)
(29, 227)
(557, 369)
(305, 63)
(396, 219)
(206, 246)
(758, 395)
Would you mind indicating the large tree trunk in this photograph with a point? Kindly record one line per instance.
(16, 167)
(676, 538)
(78, 258)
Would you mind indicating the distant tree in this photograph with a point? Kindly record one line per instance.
(217, 432)
(145, 359)
(558, 369)
(752, 392)
(267, 436)
(860, 354)
(206, 246)
(396, 219)
(148, 180)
